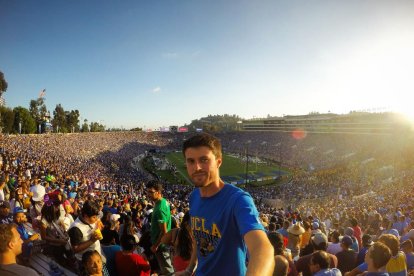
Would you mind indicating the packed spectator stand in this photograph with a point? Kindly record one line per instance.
(337, 180)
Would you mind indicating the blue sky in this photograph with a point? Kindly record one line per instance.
(160, 63)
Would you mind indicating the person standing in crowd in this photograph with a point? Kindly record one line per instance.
(319, 241)
(347, 257)
(182, 241)
(294, 238)
(319, 265)
(224, 218)
(407, 248)
(366, 244)
(5, 216)
(276, 239)
(129, 263)
(377, 257)
(397, 265)
(10, 248)
(160, 225)
(335, 245)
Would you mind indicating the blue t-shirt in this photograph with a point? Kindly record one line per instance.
(219, 224)
(110, 252)
(376, 274)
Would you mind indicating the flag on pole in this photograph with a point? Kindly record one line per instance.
(42, 93)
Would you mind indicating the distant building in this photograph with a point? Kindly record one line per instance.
(357, 122)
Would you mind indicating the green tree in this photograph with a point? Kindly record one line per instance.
(38, 109)
(72, 120)
(3, 83)
(7, 119)
(59, 119)
(22, 117)
(85, 126)
(96, 127)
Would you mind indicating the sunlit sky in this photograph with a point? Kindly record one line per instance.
(160, 63)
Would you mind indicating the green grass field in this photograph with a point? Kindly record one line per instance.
(233, 169)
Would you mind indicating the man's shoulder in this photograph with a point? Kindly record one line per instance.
(16, 269)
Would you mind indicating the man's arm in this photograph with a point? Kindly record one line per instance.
(163, 229)
(261, 253)
(75, 239)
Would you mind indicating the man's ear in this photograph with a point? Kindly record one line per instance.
(219, 161)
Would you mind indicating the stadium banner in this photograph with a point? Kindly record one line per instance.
(183, 129)
(259, 179)
(199, 130)
(164, 129)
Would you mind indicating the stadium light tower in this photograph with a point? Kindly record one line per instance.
(247, 162)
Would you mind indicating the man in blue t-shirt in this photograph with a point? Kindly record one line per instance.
(224, 218)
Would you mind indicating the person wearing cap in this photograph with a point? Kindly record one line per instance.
(319, 241)
(5, 216)
(319, 265)
(366, 244)
(347, 257)
(38, 190)
(349, 231)
(129, 263)
(19, 218)
(224, 218)
(10, 248)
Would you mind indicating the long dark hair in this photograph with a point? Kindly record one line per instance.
(50, 213)
(185, 238)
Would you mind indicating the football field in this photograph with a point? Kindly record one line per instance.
(233, 169)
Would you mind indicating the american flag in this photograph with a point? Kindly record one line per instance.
(42, 93)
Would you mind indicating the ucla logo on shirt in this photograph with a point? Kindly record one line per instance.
(207, 235)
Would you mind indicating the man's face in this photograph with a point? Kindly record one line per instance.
(202, 166)
(153, 194)
(4, 211)
(20, 218)
(91, 219)
(16, 242)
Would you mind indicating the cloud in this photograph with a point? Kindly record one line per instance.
(156, 90)
(170, 55)
(196, 53)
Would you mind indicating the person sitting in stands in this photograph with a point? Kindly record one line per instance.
(10, 248)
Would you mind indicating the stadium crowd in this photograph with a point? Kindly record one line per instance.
(346, 192)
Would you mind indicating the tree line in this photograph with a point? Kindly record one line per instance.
(37, 119)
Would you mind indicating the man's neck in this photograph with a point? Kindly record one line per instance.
(212, 189)
(7, 258)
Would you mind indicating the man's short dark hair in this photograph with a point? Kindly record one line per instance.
(380, 254)
(128, 242)
(90, 208)
(155, 184)
(321, 258)
(204, 140)
(6, 236)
